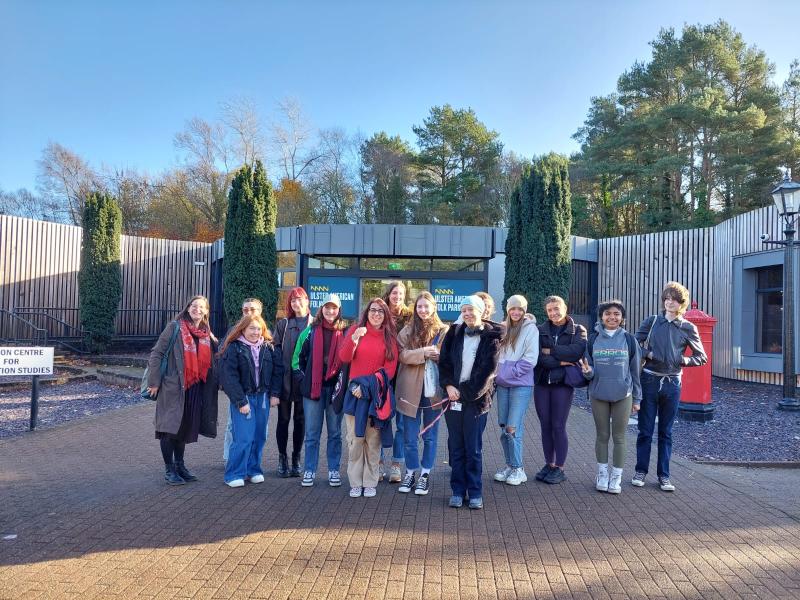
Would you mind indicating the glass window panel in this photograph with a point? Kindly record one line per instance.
(771, 277)
(769, 324)
(458, 264)
(332, 262)
(287, 260)
(393, 263)
(376, 288)
(289, 279)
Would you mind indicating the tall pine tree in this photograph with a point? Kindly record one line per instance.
(250, 264)
(100, 277)
(538, 261)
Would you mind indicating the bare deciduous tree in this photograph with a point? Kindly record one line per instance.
(291, 141)
(64, 181)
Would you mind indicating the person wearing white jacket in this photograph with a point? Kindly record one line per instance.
(519, 352)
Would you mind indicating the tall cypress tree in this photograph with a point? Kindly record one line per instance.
(100, 277)
(251, 259)
(538, 261)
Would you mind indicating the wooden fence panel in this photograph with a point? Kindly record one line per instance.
(39, 263)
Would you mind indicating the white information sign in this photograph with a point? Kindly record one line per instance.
(19, 361)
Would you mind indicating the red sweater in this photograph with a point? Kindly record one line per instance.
(369, 356)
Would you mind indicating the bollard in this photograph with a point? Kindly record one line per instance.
(34, 401)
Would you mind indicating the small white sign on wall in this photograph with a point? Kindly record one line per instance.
(19, 361)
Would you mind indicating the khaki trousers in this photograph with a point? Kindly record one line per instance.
(364, 454)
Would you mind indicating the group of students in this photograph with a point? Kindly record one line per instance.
(393, 374)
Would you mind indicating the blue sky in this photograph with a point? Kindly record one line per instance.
(114, 81)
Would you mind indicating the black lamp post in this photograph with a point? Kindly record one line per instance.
(787, 200)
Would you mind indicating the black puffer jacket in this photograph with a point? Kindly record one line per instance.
(569, 346)
(480, 385)
(238, 372)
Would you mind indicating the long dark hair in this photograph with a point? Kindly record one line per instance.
(184, 314)
(338, 322)
(389, 332)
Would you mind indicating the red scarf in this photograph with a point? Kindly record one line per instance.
(196, 357)
(316, 358)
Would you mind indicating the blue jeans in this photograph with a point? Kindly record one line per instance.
(315, 412)
(465, 444)
(228, 440)
(512, 404)
(249, 435)
(660, 396)
(430, 439)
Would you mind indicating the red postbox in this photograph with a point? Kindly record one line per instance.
(696, 403)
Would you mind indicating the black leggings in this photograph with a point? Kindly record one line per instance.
(282, 430)
(172, 450)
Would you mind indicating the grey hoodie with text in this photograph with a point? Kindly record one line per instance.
(615, 373)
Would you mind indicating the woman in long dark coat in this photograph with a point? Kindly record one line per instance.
(186, 397)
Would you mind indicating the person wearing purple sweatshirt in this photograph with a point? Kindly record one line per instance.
(519, 352)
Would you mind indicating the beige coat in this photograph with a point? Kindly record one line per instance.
(411, 373)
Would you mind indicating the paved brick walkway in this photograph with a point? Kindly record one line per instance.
(93, 519)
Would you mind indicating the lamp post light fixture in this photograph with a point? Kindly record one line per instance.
(787, 200)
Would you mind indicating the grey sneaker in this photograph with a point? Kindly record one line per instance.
(395, 475)
(476, 503)
(638, 479)
(542, 473)
(665, 484)
(456, 502)
(503, 474)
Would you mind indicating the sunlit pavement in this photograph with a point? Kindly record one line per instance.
(88, 515)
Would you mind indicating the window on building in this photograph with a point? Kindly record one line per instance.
(332, 262)
(458, 264)
(769, 310)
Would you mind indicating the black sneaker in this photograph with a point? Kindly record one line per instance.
(422, 485)
(408, 483)
(542, 473)
(556, 475)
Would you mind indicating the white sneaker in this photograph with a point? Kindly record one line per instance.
(516, 476)
(369, 492)
(615, 481)
(334, 479)
(355, 491)
(601, 483)
(235, 483)
(257, 479)
(503, 474)
(308, 479)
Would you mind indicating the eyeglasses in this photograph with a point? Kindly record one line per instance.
(377, 310)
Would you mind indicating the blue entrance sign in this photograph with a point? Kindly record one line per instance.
(449, 293)
(345, 287)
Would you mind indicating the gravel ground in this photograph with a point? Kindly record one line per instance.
(59, 404)
(747, 426)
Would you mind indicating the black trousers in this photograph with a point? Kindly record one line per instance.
(290, 410)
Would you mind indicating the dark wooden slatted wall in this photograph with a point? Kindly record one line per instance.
(39, 264)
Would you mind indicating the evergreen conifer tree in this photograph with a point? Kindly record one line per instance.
(100, 277)
(250, 264)
(538, 258)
